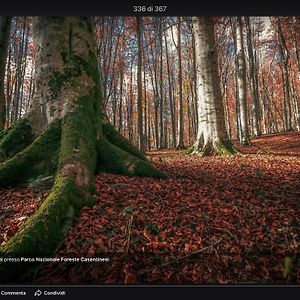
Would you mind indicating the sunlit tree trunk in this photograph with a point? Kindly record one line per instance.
(171, 98)
(5, 23)
(161, 87)
(284, 55)
(253, 82)
(245, 138)
(180, 144)
(212, 136)
(142, 145)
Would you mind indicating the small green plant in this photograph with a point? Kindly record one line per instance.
(257, 171)
(41, 183)
(128, 210)
(152, 228)
(193, 226)
(110, 231)
(204, 217)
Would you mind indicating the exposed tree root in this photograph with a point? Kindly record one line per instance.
(221, 148)
(15, 139)
(114, 137)
(181, 147)
(38, 158)
(246, 143)
(43, 232)
(115, 160)
(72, 147)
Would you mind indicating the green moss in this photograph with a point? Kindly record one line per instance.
(15, 139)
(226, 148)
(4, 132)
(220, 148)
(59, 80)
(115, 160)
(78, 141)
(189, 151)
(47, 228)
(40, 157)
(91, 68)
(74, 65)
(114, 137)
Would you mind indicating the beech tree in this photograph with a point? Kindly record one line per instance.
(253, 73)
(65, 134)
(5, 23)
(284, 56)
(142, 144)
(180, 144)
(212, 135)
(241, 77)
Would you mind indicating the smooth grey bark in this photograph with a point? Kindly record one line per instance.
(284, 56)
(161, 87)
(142, 145)
(5, 24)
(253, 82)
(212, 136)
(59, 81)
(245, 138)
(180, 139)
(171, 98)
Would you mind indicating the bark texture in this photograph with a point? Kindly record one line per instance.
(212, 135)
(5, 23)
(69, 137)
(241, 78)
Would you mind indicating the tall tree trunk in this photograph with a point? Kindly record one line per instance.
(180, 144)
(142, 145)
(245, 138)
(130, 107)
(171, 104)
(145, 105)
(120, 126)
(194, 92)
(5, 23)
(284, 55)
(212, 136)
(161, 89)
(253, 82)
(73, 138)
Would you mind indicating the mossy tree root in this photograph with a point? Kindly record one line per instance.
(45, 230)
(114, 137)
(224, 148)
(3, 133)
(115, 160)
(74, 138)
(15, 139)
(39, 158)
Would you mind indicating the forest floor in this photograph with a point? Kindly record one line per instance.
(222, 220)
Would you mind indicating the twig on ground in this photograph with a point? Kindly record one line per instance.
(181, 257)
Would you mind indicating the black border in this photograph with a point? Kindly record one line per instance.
(125, 7)
(163, 291)
(174, 8)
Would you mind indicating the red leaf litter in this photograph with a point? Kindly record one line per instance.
(216, 220)
(16, 206)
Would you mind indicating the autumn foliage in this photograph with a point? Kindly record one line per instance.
(215, 220)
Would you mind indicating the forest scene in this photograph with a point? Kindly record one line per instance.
(168, 145)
